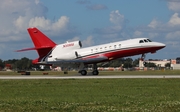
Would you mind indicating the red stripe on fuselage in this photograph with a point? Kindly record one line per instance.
(119, 53)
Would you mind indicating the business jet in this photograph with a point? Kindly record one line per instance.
(72, 53)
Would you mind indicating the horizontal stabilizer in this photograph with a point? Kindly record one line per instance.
(34, 48)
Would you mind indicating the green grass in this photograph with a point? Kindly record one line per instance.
(149, 72)
(97, 95)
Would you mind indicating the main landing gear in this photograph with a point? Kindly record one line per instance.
(95, 70)
(84, 72)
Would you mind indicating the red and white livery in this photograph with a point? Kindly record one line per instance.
(73, 53)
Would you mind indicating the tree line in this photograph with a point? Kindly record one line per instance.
(26, 63)
(126, 63)
(19, 64)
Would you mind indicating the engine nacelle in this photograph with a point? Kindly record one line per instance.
(67, 46)
(71, 45)
(67, 56)
(66, 51)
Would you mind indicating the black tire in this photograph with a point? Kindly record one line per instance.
(83, 72)
(95, 72)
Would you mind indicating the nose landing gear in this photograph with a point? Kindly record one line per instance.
(141, 61)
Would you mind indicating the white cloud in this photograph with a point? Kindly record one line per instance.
(88, 42)
(165, 32)
(174, 20)
(154, 24)
(61, 24)
(21, 23)
(174, 5)
(76, 38)
(160, 27)
(116, 29)
(15, 16)
(137, 34)
(116, 17)
(37, 1)
(173, 35)
(85, 43)
(40, 22)
(18, 15)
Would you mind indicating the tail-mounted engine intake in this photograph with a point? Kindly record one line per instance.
(72, 45)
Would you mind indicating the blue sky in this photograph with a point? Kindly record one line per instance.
(91, 21)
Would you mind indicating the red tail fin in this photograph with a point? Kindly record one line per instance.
(43, 45)
(41, 42)
(39, 39)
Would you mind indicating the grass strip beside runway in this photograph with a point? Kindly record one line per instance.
(99, 95)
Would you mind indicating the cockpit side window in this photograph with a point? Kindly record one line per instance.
(145, 40)
(149, 40)
(141, 41)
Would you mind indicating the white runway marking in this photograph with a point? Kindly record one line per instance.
(89, 77)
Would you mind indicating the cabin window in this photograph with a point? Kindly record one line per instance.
(109, 47)
(105, 48)
(141, 41)
(92, 50)
(101, 48)
(119, 45)
(96, 50)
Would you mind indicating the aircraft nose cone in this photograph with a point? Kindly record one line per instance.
(161, 45)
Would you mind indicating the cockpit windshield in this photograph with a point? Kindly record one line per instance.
(145, 40)
(149, 40)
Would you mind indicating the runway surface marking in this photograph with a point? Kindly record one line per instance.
(89, 77)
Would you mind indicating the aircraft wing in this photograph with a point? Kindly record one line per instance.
(94, 59)
(88, 60)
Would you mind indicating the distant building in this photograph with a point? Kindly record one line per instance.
(175, 64)
(178, 60)
(158, 63)
(8, 67)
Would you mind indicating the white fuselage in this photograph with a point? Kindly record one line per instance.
(73, 51)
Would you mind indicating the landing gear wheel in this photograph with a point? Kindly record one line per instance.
(83, 72)
(95, 72)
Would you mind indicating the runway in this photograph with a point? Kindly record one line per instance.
(89, 77)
